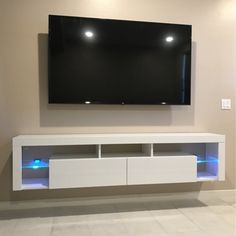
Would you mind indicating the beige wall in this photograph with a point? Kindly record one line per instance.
(23, 90)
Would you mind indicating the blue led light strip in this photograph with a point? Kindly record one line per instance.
(35, 164)
(210, 160)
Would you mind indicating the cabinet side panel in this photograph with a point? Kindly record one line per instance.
(17, 166)
(221, 162)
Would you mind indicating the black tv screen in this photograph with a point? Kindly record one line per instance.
(101, 61)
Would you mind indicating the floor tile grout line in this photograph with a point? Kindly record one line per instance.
(200, 229)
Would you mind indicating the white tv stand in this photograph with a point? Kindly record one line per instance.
(87, 160)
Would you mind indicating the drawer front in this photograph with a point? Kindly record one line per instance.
(73, 173)
(167, 169)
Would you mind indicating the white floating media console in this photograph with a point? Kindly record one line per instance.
(88, 160)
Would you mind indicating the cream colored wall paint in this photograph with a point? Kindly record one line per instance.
(23, 70)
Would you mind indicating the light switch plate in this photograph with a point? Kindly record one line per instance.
(225, 104)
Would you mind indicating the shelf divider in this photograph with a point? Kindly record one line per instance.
(148, 149)
(99, 150)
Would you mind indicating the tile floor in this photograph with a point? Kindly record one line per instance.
(206, 213)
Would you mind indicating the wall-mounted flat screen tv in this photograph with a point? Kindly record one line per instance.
(104, 61)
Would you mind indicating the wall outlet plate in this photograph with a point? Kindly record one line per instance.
(226, 104)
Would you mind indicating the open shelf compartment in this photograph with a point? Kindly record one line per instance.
(126, 150)
(208, 165)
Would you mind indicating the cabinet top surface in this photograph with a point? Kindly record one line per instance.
(116, 135)
(118, 138)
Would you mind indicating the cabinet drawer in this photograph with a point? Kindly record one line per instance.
(166, 169)
(73, 173)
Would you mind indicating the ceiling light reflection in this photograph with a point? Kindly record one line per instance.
(169, 39)
(89, 34)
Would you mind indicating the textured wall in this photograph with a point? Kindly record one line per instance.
(23, 82)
